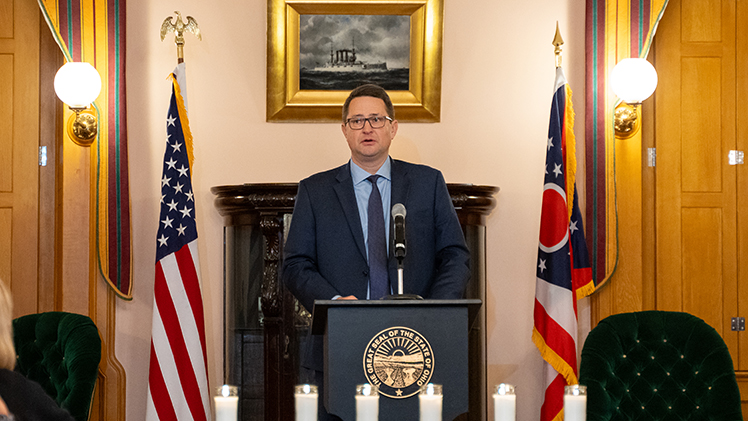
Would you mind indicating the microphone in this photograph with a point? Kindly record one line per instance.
(398, 214)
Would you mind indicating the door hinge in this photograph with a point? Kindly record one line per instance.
(737, 324)
(736, 158)
(651, 156)
(42, 156)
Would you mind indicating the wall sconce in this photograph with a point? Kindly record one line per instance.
(633, 80)
(78, 84)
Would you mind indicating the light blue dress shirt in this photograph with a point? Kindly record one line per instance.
(362, 187)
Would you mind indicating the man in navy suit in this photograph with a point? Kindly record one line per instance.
(326, 255)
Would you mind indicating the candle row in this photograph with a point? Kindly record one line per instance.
(505, 403)
(430, 403)
(367, 402)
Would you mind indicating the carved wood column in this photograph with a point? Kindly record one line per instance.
(278, 374)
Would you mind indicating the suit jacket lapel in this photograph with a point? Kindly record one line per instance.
(399, 194)
(347, 198)
(400, 183)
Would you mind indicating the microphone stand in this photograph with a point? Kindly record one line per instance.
(398, 214)
(399, 278)
(400, 295)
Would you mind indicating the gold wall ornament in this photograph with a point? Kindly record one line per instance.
(632, 80)
(179, 28)
(557, 42)
(626, 120)
(78, 84)
(82, 126)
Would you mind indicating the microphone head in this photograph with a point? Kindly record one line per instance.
(398, 210)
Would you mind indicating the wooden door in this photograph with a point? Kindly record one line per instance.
(19, 140)
(695, 128)
(699, 116)
(742, 189)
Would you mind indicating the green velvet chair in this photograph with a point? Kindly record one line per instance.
(60, 351)
(658, 365)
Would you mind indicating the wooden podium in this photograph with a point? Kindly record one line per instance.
(397, 345)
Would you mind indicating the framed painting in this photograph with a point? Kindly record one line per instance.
(318, 51)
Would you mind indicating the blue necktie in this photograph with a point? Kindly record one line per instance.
(378, 279)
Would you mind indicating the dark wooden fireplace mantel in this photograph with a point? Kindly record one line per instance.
(262, 339)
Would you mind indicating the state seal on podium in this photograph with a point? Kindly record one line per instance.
(398, 360)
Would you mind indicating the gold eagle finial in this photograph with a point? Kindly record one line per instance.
(179, 28)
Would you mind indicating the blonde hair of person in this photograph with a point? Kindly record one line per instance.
(7, 350)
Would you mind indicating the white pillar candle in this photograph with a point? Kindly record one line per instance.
(306, 397)
(226, 407)
(367, 403)
(430, 402)
(226, 403)
(367, 408)
(504, 403)
(575, 403)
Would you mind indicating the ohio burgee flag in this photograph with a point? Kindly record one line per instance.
(563, 269)
(178, 377)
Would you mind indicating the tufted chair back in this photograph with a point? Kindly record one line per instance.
(60, 351)
(658, 365)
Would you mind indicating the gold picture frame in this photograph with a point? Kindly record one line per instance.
(287, 103)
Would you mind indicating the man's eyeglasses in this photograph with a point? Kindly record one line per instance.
(358, 123)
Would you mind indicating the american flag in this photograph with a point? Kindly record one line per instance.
(563, 270)
(178, 377)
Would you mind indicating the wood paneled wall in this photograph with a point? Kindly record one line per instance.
(47, 253)
(683, 239)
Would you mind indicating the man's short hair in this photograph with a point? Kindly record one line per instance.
(371, 90)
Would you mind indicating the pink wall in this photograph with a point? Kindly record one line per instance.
(498, 74)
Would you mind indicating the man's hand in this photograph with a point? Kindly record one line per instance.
(350, 297)
(3, 408)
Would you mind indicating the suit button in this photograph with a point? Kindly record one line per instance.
(365, 273)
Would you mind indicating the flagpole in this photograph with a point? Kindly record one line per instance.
(558, 42)
(178, 379)
(179, 27)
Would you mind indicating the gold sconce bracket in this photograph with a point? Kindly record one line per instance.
(82, 126)
(627, 120)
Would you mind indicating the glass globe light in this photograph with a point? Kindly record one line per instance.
(77, 84)
(633, 80)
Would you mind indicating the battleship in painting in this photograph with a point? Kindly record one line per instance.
(344, 60)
